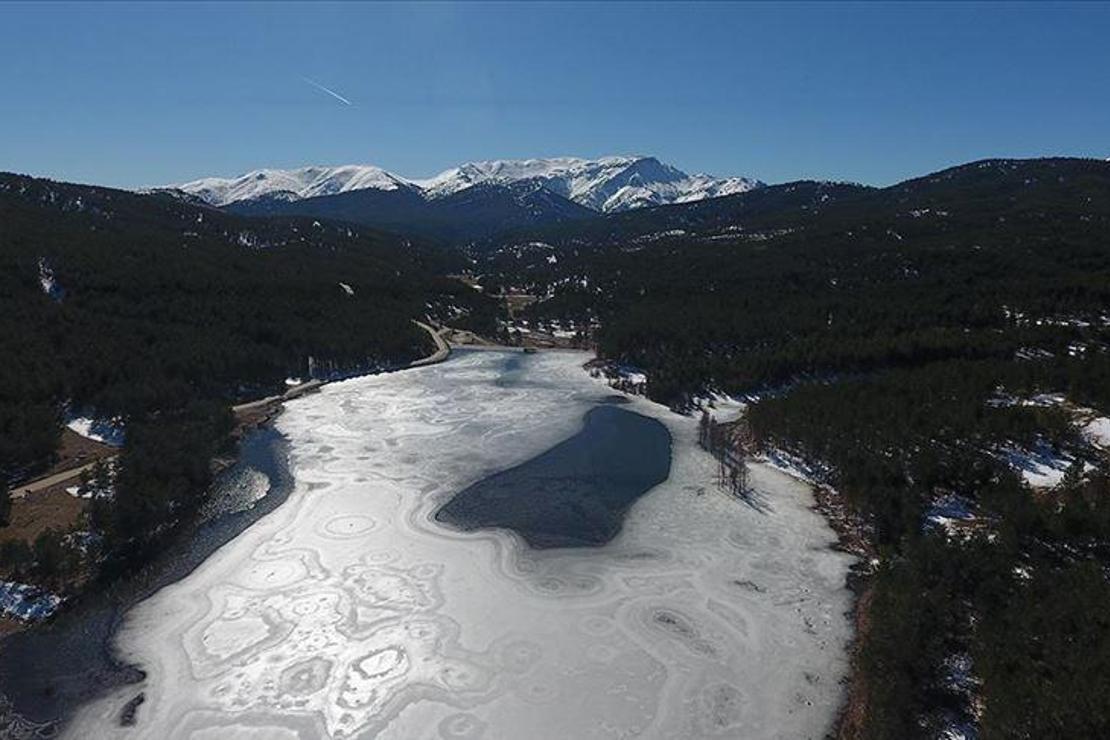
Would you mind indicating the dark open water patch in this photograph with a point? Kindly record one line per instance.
(576, 493)
(49, 671)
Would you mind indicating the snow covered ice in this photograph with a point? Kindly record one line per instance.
(350, 612)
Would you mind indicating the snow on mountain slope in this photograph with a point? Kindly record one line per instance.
(637, 194)
(580, 180)
(607, 184)
(305, 182)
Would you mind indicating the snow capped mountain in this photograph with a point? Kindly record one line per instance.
(305, 182)
(607, 184)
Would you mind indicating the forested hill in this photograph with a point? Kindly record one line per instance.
(768, 207)
(810, 279)
(478, 211)
(809, 204)
(127, 304)
(935, 352)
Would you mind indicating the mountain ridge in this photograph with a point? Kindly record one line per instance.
(606, 184)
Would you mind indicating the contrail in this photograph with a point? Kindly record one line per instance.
(332, 93)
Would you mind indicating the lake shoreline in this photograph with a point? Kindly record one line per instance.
(852, 538)
(128, 702)
(700, 602)
(101, 611)
(51, 668)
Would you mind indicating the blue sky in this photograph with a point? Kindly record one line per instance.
(134, 94)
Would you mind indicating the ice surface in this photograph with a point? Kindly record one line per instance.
(576, 493)
(349, 611)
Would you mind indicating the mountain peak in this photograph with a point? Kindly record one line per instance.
(612, 183)
(294, 184)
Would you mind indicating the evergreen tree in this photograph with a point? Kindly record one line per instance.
(49, 554)
(5, 505)
(15, 556)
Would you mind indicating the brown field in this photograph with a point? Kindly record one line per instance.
(49, 508)
(75, 451)
(8, 625)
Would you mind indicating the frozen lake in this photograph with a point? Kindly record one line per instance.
(351, 611)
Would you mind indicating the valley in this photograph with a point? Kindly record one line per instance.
(926, 362)
(554, 371)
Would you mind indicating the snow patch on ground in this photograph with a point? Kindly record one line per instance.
(1097, 431)
(96, 489)
(723, 407)
(1002, 399)
(795, 466)
(26, 603)
(108, 431)
(48, 282)
(622, 377)
(960, 679)
(1040, 467)
(950, 512)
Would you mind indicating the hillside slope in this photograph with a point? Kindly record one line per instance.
(126, 303)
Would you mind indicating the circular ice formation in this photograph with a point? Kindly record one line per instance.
(271, 574)
(382, 663)
(426, 571)
(306, 677)
(722, 708)
(520, 655)
(347, 526)
(461, 726)
(461, 677)
(597, 625)
(537, 692)
(602, 653)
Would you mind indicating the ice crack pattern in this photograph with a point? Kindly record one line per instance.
(350, 612)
